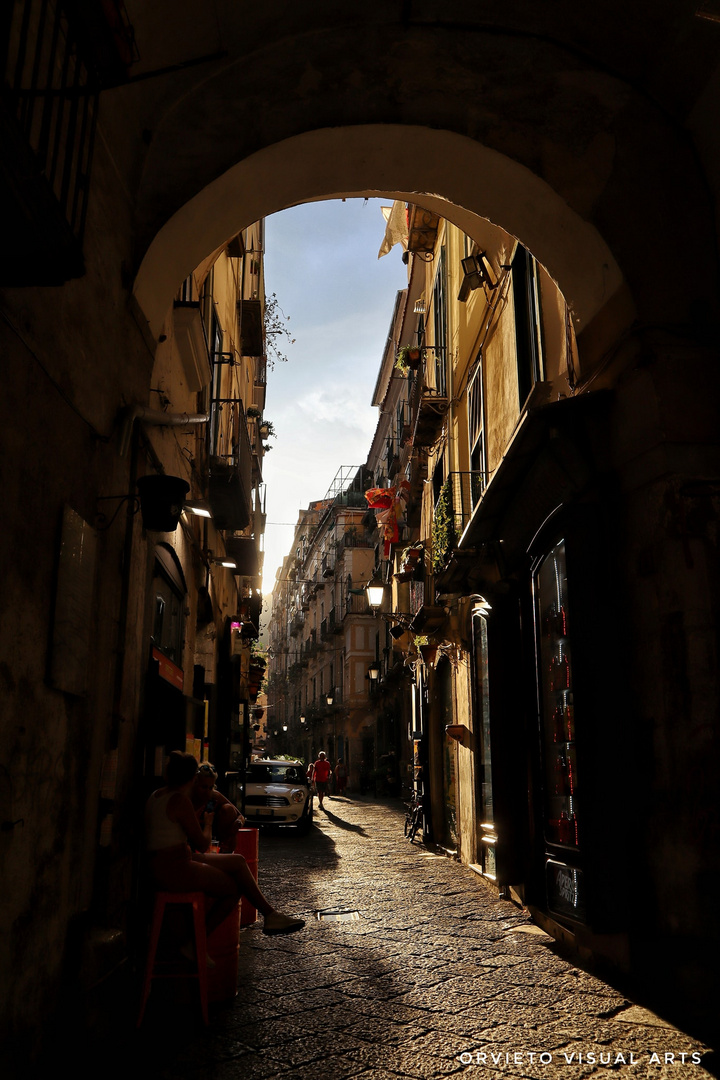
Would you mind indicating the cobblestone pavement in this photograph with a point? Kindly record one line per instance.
(435, 978)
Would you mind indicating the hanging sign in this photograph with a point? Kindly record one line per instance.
(168, 671)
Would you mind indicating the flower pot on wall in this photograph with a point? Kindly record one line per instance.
(428, 653)
(162, 499)
(455, 731)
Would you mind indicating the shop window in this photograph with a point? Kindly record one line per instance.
(168, 620)
(169, 591)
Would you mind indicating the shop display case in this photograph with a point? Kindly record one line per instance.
(563, 822)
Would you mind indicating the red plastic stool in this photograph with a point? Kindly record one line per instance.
(247, 845)
(197, 901)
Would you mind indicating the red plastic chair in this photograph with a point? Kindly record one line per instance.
(197, 901)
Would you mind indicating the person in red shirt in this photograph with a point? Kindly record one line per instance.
(321, 774)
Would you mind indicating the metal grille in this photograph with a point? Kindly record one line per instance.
(53, 96)
(266, 800)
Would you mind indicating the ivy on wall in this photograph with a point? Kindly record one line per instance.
(443, 531)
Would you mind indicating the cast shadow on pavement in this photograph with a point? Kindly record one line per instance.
(341, 823)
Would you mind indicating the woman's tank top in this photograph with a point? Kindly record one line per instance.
(160, 831)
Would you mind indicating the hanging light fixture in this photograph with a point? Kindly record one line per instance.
(329, 698)
(198, 507)
(374, 671)
(375, 590)
(477, 271)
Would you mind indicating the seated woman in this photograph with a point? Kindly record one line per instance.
(207, 799)
(172, 831)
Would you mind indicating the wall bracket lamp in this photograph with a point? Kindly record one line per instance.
(478, 272)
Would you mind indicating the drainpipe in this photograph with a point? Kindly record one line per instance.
(154, 416)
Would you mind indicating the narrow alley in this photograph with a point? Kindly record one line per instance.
(433, 977)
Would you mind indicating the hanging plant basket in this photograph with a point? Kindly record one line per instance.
(162, 499)
(455, 731)
(258, 713)
(408, 358)
(428, 653)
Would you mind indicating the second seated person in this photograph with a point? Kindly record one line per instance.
(206, 799)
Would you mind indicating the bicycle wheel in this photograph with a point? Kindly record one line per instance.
(416, 823)
(408, 822)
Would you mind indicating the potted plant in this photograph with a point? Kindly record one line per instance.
(267, 430)
(409, 564)
(253, 413)
(408, 358)
(427, 649)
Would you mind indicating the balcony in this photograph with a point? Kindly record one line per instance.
(328, 566)
(422, 232)
(296, 623)
(357, 605)
(428, 397)
(251, 327)
(459, 496)
(243, 550)
(230, 483)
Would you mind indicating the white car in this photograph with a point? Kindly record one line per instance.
(277, 793)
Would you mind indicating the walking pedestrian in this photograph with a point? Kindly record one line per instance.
(341, 777)
(321, 773)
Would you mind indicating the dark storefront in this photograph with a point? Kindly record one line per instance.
(550, 688)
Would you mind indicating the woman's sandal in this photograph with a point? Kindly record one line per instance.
(275, 923)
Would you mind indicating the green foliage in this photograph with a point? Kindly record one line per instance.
(277, 335)
(258, 654)
(443, 530)
(402, 358)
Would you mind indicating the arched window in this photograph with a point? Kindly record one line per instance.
(169, 589)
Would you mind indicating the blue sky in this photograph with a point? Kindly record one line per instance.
(321, 261)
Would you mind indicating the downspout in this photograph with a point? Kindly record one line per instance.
(154, 417)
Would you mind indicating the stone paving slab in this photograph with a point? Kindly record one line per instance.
(437, 978)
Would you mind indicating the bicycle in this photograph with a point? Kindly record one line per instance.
(413, 816)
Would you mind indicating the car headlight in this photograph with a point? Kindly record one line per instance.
(297, 796)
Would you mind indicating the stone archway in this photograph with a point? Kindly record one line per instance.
(548, 132)
(463, 181)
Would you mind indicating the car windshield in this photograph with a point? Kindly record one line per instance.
(263, 773)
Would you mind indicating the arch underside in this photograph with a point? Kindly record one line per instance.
(594, 177)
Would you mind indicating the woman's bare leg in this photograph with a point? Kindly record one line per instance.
(236, 867)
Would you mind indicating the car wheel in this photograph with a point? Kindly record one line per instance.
(305, 821)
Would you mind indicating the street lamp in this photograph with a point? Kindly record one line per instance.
(329, 698)
(375, 590)
(302, 719)
(374, 671)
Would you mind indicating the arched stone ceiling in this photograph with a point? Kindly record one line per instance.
(568, 131)
(459, 179)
